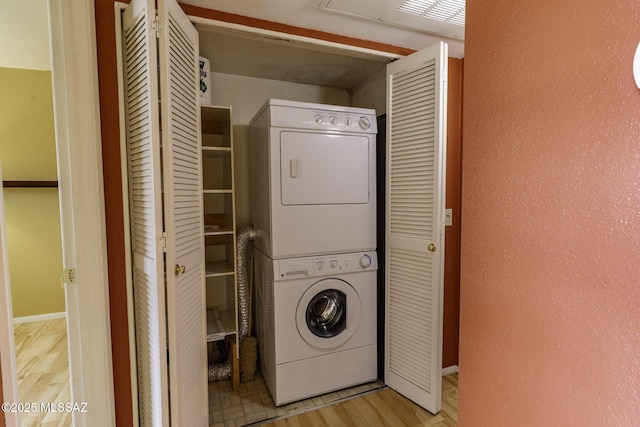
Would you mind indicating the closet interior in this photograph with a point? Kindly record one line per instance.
(245, 70)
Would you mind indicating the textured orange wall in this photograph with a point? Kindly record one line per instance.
(550, 260)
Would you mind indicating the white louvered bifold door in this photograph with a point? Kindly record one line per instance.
(179, 86)
(416, 120)
(145, 201)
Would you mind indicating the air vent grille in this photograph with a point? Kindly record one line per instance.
(449, 11)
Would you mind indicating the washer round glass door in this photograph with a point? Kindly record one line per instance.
(328, 313)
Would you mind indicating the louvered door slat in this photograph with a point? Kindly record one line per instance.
(415, 188)
(144, 172)
(183, 216)
(410, 318)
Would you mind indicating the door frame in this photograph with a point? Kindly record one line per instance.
(9, 392)
(74, 71)
(78, 145)
(204, 22)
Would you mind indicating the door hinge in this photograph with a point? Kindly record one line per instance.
(69, 276)
(156, 26)
(163, 241)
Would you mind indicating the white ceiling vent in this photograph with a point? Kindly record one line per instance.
(449, 11)
(441, 17)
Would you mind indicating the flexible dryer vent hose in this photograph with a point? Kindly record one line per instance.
(248, 344)
(222, 371)
(243, 244)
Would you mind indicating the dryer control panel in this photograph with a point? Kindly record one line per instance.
(303, 115)
(325, 265)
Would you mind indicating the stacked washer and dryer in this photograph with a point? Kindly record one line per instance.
(314, 211)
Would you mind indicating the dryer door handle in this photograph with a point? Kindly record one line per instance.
(295, 168)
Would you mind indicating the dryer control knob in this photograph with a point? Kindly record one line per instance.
(365, 261)
(333, 120)
(320, 265)
(364, 123)
(318, 119)
(347, 121)
(334, 263)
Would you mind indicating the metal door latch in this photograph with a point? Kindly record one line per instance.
(69, 276)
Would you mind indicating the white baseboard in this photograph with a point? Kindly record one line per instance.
(449, 370)
(40, 317)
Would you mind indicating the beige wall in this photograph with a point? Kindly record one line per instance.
(24, 34)
(27, 152)
(24, 43)
(550, 295)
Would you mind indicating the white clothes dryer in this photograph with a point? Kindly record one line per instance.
(316, 323)
(313, 179)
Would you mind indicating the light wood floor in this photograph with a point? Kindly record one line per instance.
(43, 370)
(381, 408)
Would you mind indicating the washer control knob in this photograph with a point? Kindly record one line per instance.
(318, 119)
(364, 123)
(334, 263)
(348, 121)
(365, 261)
(320, 265)
(333, 120)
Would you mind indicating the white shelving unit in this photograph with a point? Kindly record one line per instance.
(219, 224)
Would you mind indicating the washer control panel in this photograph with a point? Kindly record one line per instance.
(325, 265)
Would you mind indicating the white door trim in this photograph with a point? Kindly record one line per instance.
(79, 152)
(7, 346)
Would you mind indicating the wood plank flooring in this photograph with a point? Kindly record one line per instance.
(43, 370)
(381, 408)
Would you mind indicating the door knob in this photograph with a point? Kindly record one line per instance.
(179, 269)
(432, 247)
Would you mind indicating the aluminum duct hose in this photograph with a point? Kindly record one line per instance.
(223, 371)
(243, 244)
(220, 371)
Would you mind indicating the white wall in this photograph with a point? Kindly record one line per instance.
(372, 93)
(247, 94)
(24, 34)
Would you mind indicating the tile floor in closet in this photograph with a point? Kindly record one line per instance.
(253, 404)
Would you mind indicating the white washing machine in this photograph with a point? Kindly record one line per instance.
(313, 179)
(316, 323)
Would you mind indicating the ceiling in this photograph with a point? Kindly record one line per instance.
(286, 60)
(280, 57)
(439, 17)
